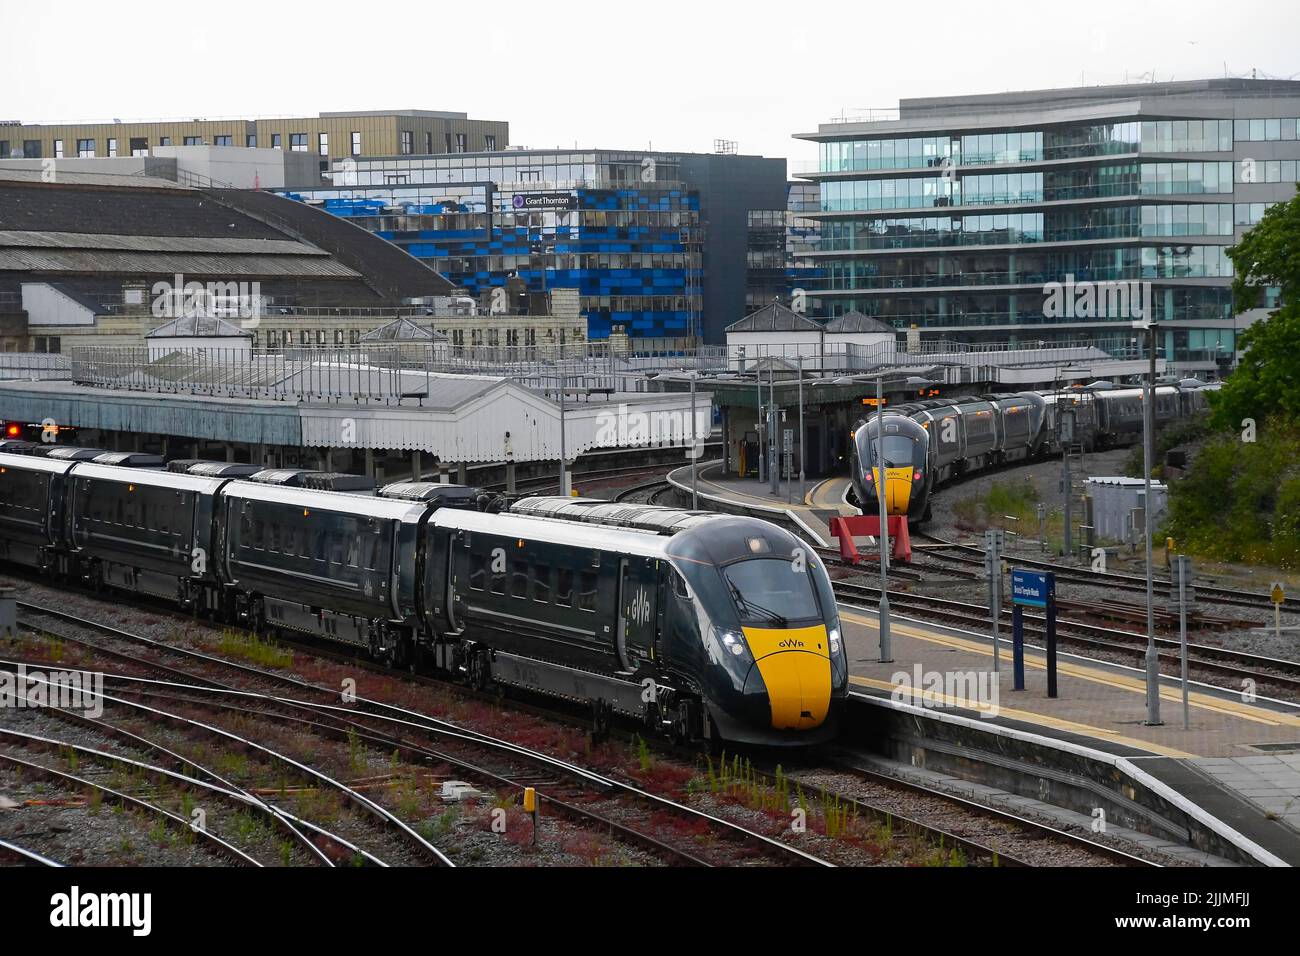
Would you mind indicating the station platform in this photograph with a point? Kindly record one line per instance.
(812, 514)
(1238, 763)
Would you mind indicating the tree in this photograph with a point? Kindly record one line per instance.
(1267, 382)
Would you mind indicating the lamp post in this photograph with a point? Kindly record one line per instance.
(886, 649)
(695, 448)
(803, 490)
(564, 470)
(1148, 439)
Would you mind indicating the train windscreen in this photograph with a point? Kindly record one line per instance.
(769, 592)
(898, 452)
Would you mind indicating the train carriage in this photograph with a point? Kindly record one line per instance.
(332, 564)
(142, 530)
(31, 510)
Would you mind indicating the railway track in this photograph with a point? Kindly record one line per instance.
(300, 831)
(1218, 660)
(850, 763)
(24, 857)
(647, 492)
(971, 555)
(491, 760)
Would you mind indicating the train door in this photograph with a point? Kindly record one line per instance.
(637, 612)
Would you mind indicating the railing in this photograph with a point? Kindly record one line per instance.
(409, 374)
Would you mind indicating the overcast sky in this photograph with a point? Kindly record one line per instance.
(619, 73)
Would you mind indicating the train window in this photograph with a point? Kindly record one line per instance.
(354, 552)
(587, 591)
(542, 583)
(498, 579)
(679, 584)
(564, 588)
(519, 580)
(479, 574)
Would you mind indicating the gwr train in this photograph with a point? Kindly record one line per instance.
(703, 625)
(929, 442)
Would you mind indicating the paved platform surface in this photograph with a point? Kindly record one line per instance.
(1214, 762)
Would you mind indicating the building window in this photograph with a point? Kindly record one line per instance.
(490, 142)
(4, 149)
(461, 144)
(408, 142)
(32, 148)
(112, 147)
(323, 141)
(85, 148)
(447, 141)
(223, 141)
(356, 143)
(139, 147)
(165, 141)
(251, 141)
(428, 143)
(298, 142)
(275, 140)
(58, 149)
(193, 141)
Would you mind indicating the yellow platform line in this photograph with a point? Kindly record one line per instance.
(1124, 682)
(921, 696)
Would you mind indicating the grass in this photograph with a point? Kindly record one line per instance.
(256, 650)
(1010, 505)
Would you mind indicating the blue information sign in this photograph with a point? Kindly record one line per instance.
(1031, 588)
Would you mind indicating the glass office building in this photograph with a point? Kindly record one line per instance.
(956, 216)
(654, 242)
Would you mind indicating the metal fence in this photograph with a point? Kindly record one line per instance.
(392, 371)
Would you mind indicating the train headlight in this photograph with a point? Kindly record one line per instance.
(835, 639)
(733, 642)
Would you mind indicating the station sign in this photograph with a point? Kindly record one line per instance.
(1031, 588)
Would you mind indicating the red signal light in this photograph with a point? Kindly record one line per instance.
(13, 431)
(917, 476)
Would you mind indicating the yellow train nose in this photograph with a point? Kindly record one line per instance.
(898, 489)
(796, 669)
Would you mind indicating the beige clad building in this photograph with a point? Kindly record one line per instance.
(331, 136)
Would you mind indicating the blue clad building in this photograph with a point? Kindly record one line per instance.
(655, 242)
